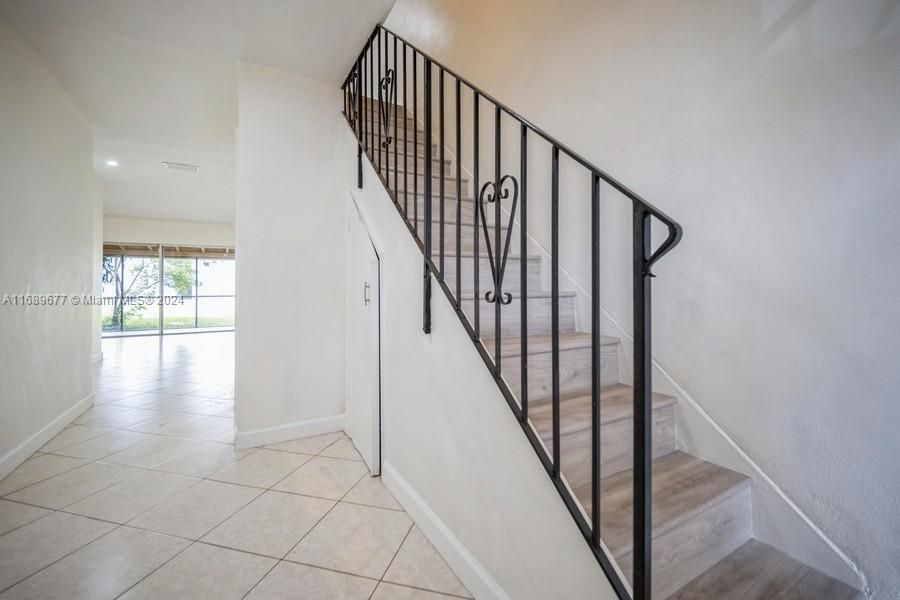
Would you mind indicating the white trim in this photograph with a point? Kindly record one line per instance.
(35, 442)
(97, 358)
(471, 572)
(291, 431)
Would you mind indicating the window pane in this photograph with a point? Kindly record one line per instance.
(180, 277)
(140, 290)
(216, 312)
(216, 276)
(178, 313)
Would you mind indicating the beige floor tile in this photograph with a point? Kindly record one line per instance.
(37, 468)
(310, 445)
(204, 460)
(134, 494)
(13, 514)
(210, 429)
(390, 591)
(418, 564)
(261, 468)
(355, 539)
(71, 486)
(289, 581)
(203, 571)
(151, 452)
(272, 524)
(97, 411)
(104, 445)
(195, 511)
(371, 491)
(126, 418)
(324, 477)
(36, 545)
(343, 448)
(113, 395)
(163, 424)
(72, 435)
(103, 569)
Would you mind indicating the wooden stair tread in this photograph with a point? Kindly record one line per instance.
(616, 403)
(683, 486)
(757, 571)
(540, 344)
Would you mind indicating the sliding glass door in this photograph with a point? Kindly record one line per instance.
(169, 289)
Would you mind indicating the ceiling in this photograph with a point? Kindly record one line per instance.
(158, 78)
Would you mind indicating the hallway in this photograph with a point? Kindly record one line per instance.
(145, 496)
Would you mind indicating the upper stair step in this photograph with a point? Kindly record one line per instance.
(575, 373)
(701, 513)
(757, 571)
(511, 280)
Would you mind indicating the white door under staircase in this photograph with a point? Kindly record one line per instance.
(364, 324)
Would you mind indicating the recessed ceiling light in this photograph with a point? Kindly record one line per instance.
(181, 166)
(112, 163)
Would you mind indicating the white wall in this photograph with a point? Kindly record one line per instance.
(167, 231)
(769, 130)
(453, 452)
(46, 232)
(97, 264)
(290, 270)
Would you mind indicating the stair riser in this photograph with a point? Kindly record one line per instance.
(510, 316)
(417, 162)
(410, 124)
(574, 372)
(689, 549)
(412, 146)
(616, 446)
(449, 185)
(512, 278)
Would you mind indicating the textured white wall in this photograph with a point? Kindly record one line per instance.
(769, 129)
(46, 247)
(290, 265)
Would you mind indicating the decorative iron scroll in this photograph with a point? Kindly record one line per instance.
(498, 265)
(386, 89)
(352, 84)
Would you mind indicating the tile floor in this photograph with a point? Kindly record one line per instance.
(145, 496)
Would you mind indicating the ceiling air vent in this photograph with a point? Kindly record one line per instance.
(181, 166)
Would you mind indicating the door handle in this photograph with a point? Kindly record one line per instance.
(366, 298)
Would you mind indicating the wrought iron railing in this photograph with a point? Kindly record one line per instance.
(383, 88)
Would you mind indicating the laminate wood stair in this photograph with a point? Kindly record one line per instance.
(757, 571)
(701, 525)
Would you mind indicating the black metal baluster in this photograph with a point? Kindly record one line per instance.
(498, 293)
(381, 134)
(415, 148)
(394, 110)
(360, 120)
(595, 358)
(554, 291)
(441, 166)
(643, 450)
(458, 201)
(476, 259)
(523, 269)
(372, 102)
(427, 292)
(405, 142)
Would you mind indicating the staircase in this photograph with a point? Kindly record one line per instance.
(702, 535)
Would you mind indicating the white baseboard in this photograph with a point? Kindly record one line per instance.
(471, 572)
(35, 442)
(290, 431)
(97, 358)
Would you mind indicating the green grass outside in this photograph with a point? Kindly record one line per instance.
(141, 323)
